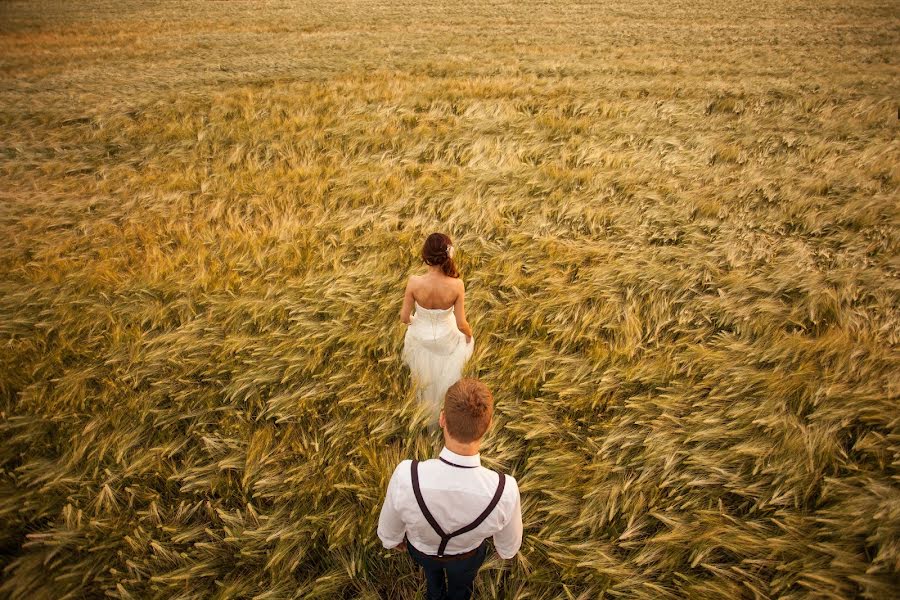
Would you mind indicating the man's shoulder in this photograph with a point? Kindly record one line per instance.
(511, 486)
(403, 466)
(511, 482)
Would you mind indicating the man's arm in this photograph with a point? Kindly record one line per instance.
(391, 528)
(508, 540)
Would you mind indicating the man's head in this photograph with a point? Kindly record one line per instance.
(468, 409)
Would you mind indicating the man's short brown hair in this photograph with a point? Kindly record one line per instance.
(468, 408)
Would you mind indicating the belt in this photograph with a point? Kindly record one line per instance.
(447, 557)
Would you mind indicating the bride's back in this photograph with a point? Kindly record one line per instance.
(435, 291)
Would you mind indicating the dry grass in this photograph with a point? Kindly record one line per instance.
(678, 226)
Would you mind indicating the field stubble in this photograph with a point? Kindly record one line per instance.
(677, 225)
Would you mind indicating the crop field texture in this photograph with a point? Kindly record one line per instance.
(676, 220)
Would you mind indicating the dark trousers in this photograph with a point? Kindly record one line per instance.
(449, 579)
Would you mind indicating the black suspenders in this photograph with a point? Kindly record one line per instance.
(445, 537)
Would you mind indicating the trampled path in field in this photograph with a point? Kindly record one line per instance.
(676, 222)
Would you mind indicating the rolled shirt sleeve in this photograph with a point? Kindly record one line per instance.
(508, 540)
(391, 528)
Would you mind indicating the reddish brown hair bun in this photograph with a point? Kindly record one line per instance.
(436, 252)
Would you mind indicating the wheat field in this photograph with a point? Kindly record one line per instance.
(677, 223)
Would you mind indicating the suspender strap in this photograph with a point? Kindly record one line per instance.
(445, 537)
(421, 501)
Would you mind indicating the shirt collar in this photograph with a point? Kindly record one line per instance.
(459, 459)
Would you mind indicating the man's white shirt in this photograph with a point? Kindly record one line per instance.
(455, 496)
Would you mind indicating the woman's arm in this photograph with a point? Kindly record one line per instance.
(460, 311)
(407, 302)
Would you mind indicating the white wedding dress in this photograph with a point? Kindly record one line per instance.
(435, 351)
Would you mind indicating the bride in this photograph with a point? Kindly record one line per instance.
(439, 340)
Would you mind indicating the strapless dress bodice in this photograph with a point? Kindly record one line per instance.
(434, 314)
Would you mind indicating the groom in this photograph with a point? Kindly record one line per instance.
(442, 510)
